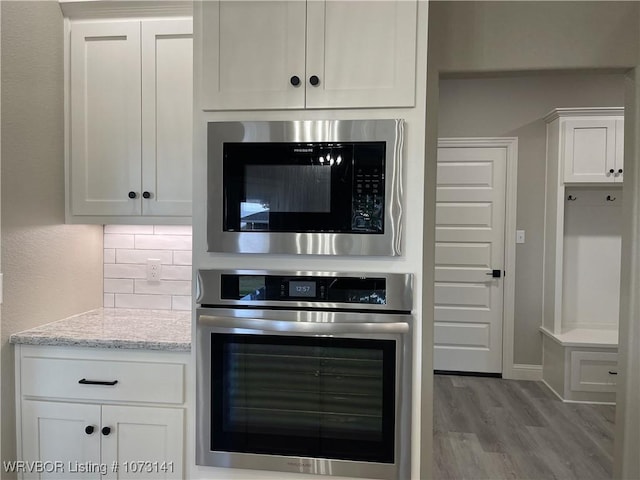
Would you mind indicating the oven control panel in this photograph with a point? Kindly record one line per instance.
(258, 288)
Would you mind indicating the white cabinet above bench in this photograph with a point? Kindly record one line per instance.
(591, 144)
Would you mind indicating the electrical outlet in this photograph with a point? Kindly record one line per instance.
(153, 269)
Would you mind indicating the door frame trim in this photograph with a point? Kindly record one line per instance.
(510, 144)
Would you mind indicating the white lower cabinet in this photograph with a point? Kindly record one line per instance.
(81, 441)
(82, 425)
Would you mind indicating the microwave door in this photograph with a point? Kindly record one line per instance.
(275, 191)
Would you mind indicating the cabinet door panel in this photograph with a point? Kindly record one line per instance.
(251, 49)
(55, 432)
(363, 52)
(619, 162)
(167, 109)
(589, 150)
(146, 442)
(105, 120)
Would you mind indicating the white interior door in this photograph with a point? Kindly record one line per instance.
(470, 230)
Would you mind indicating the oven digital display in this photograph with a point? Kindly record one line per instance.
(302, 289)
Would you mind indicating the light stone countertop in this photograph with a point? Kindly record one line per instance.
(115, 328)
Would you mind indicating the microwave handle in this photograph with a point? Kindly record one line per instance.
(302, 327)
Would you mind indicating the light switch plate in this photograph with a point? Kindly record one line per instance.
(519, 236)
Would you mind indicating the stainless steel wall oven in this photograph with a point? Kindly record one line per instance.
(306, 372)
(314, 187)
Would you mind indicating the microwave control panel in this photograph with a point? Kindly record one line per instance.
(368, 197)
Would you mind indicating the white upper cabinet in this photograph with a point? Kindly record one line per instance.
(130, 122)
(105, 118)
(314, 54)
(167, 116)
(252, 53)
(592, 148)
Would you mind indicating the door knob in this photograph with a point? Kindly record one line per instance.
(132, 195)
(611, 170)
(89, 429)
(295, 80)
(106, 431)
(314, 80)
(495, 273)
(619, 170)
(146, 195)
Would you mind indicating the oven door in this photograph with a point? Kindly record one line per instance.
(318, 394)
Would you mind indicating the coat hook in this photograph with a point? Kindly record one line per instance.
(571, 198)
(610, 198)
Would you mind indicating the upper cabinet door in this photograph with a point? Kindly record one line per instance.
(105, 122)
(619, 164)
(253, 51)
(167, 111)
(362, 53)
(590, 150)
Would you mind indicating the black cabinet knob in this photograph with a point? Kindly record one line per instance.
(619, 170)
(611, 171)
(146, 195)
(89, 429)
(106, 431)
(314, 80)
(132, 195)
(295, 80)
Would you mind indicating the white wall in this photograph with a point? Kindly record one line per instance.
(51, 270)
(514, 106)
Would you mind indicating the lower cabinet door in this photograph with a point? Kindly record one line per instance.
(60, 440)
(143, 442)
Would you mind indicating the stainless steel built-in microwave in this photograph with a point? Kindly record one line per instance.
(329, 187)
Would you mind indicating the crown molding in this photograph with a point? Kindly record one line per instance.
(583, 112)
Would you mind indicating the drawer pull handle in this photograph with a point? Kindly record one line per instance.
(611, 372)
(84, 381)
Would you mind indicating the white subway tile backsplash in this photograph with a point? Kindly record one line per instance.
(109, 300)
(121, 270)
(149, 302)
(163, 287)
(132, 229)
(127, 249)
(180, 302)
(109, 255)
(163, 242)
(182, 257)
(173, 272)
(126, 255)
(118, 285)
(116, 240)
(172, 230)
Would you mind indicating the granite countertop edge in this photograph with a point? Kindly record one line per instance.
(114, 328)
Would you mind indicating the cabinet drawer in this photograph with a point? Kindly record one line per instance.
(593, 371)
(135, 381)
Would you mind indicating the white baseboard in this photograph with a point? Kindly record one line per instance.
(521, 371)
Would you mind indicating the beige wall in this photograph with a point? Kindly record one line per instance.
(493, 36)
(51, 270)
(514, 106)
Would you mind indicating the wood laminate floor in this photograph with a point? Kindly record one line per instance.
(489, 428)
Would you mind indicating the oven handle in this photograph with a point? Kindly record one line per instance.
(302, 327)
